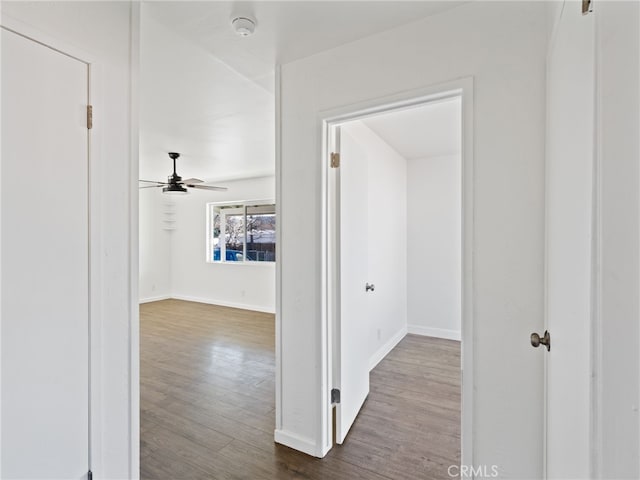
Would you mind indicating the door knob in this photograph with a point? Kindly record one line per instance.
(370, 287)
(545, 340)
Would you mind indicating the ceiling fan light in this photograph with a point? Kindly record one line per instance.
(174, 190)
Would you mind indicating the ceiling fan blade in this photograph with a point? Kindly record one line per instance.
(153, 181)
(191, 181)
(209, 187)
(150, 186)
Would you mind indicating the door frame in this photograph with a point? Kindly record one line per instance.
(98, 388)
(596, 306)
(329, 267)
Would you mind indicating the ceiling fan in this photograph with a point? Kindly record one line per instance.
(176, 185)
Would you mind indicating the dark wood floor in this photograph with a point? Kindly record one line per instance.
(208, 405)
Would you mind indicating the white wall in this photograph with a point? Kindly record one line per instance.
(502, 45)
(434, 246)
(173, 264)
(387, 241)
(193, 103)
(104, 30)
(618, 84)
(250, 286)
(155, 246)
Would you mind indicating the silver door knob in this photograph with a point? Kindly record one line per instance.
(370, 287)
(545, 340)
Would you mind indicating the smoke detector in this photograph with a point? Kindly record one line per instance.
(243, 26)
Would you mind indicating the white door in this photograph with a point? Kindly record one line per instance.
(570, 160)
(352, 326)
(44, 281)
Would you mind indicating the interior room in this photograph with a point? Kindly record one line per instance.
(207, 254)
(207, 328)
(420, 190)
(181, 183)
(223, 126)
(395, 203)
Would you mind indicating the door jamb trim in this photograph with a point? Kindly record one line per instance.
(464, 88)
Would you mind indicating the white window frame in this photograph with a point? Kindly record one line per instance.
(231, 208)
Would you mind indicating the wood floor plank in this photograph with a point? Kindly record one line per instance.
(208, 404)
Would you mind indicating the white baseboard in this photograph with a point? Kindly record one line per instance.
(154, 299)
(297, 442)
(384, 350)
(243, 306)
(435, 332)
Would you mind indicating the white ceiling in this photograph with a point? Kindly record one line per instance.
(190, 102)
(432, 130)
(286, 30)
(208, 93)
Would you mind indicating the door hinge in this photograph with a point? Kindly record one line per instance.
(587, 7)
(89, 475)
(89, 117)
(335, 160)
(335, 395)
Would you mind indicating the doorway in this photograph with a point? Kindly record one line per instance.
(46, 322)
(207, 258)
(398, 261)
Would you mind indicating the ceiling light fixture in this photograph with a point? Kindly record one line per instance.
(244, 26)
(175, 185)
(174, 190)
(174, 182)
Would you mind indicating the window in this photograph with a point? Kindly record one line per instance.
(241, 232)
